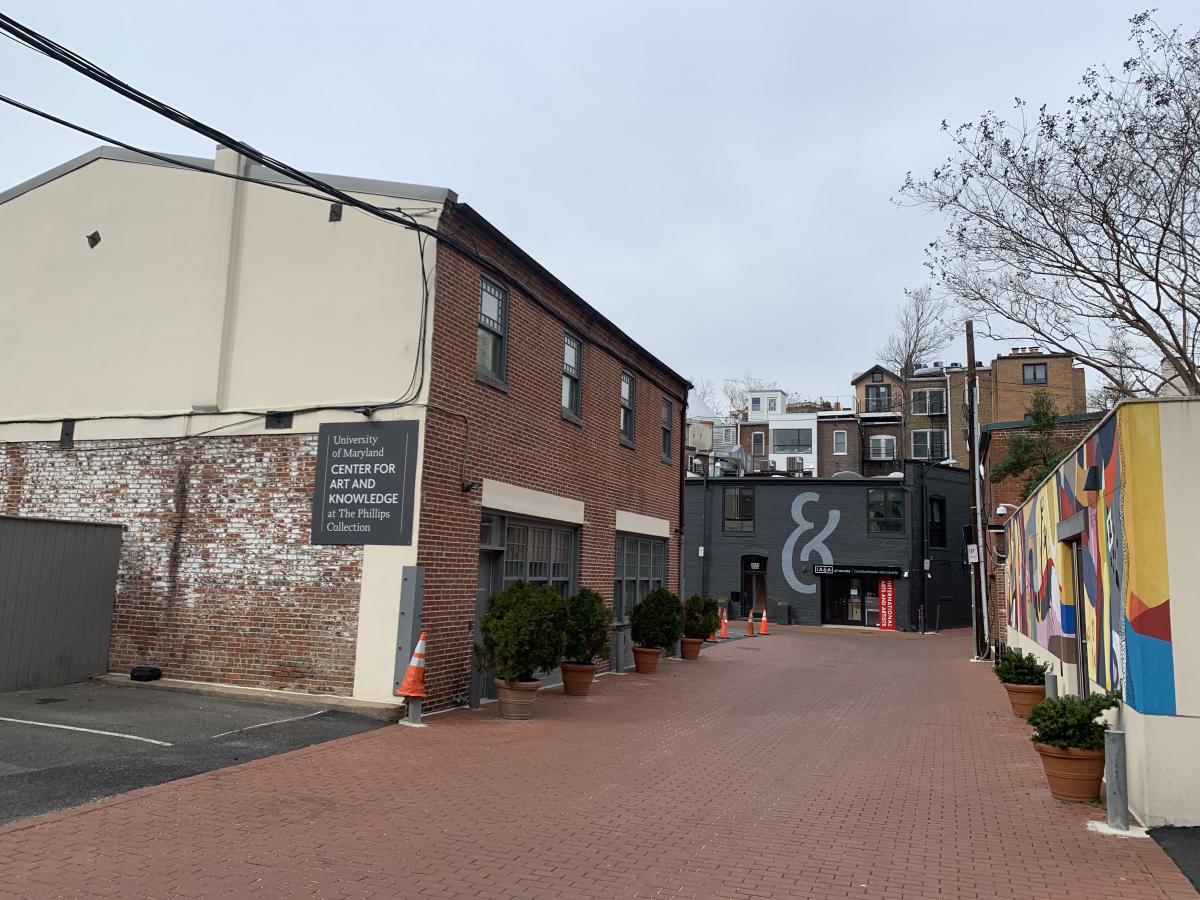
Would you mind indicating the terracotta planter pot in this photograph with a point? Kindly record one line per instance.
(1072, 774)
(689, 648)
(645, 660)
(1024, 697)
(516, 698)
(577, 678)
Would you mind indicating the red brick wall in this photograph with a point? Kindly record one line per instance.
(746, 439)
(217, 580)
(519, 436)
(827, 462)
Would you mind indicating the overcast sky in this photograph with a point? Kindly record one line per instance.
(715, 177)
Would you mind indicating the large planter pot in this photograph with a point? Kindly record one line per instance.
(645, 660)
(1072, 774)
(577, 678)
(516, 698)
(1024, 697)
(689, 648)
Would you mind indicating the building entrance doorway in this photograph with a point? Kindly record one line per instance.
(754, 586)
(849, 600)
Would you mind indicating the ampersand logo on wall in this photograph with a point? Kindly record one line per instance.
(815, 545)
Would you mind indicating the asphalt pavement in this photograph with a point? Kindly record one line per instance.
(66, 746)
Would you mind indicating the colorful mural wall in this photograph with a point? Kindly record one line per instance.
(1122, 603)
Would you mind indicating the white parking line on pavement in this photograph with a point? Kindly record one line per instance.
(275, 722)
(116, 734)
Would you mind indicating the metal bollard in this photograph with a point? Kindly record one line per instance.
(413, 716)
(1116, 795)
(1051, 685)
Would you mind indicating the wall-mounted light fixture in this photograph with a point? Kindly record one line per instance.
(93, 239)
(335, 212)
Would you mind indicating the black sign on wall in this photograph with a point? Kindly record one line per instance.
(887, 571)
(366, 478)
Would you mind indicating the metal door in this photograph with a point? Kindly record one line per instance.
(57, 586)
(482, 685)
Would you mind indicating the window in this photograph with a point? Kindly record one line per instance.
(879, 398)
(839, 443)
(756, 404)
(540, 554)
(668, 417)
(885, 510)
(627, 408)
(937, 522)
(929, 443)
(572, 370)
(883, 446)
(1033, 373)
(739, 509)
(772, 405)
(492, 331)
(791, 440)
(639, 566)
(758, 444)
(724, 437)
(877, 376)
(929, 402)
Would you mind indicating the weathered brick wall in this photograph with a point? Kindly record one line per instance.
(217, 581)
(1011, 396)
(518, 436)
(872, 468)
(851, 460)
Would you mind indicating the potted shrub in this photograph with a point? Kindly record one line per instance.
(1023, 677)
(586, 639)
(1071, 743)
(782, 613)
(522, 635)
(700, 619)
(656, 622)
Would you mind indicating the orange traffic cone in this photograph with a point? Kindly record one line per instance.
(724, 625)
(414, 678)
(762, 628)
(750, 624)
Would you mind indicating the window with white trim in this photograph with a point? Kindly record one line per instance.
(929, 443)
(758, 443)
(772, 405)
(839, 443)
(882, 446)
(492, 332)
(929, 402)
(756, 404)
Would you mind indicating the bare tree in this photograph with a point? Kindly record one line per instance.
(1079, 228)
(706, 392)
(736, 389)
(923, 329)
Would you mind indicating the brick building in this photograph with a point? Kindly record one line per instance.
(839, 442)
(549, 443)
(878, 398)
(1006, 387)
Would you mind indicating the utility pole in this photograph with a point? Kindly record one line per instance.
(978, 584)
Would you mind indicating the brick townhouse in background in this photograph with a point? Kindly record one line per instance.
(173, 373)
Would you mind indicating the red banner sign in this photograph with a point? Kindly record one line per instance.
(887, 604)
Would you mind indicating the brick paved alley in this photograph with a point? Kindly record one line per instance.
(807, 763)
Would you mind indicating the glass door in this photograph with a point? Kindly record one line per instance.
(855, 602)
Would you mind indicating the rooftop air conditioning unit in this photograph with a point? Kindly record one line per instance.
(795, 464)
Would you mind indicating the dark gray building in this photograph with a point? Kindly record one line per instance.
(849, 550)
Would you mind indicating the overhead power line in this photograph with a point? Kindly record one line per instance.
(57, 52)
